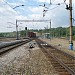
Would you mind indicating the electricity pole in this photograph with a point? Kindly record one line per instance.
(71, 39)
(50, 2)
(16, 31)
(50, 30)
(69, 7)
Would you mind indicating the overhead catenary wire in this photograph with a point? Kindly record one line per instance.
(12, 7)
(54, 8)
(56, 5)
(7, 4)
(65, 2)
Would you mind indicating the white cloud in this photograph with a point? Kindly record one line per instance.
(23, 0)
(6, 15)
(15, 4)
(1, 0)
(36, 9)
(21, 17)
(42, 0)
(48, 1)
(59, 16)
(2, 9)
(35, 16)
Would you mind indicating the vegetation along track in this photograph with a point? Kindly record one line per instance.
(63, 63)
(7, 48)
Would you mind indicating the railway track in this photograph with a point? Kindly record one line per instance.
(5, 48)
(63, 63)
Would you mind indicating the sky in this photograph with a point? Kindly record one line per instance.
(33, 10)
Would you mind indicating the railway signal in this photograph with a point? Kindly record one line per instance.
(26, 31)
(25, 28)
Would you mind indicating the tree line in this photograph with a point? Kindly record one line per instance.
(54, 32)
(59, 32)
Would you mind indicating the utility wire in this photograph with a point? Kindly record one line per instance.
(8, 4)
(54, 8)
(65, 2)
(58, 4)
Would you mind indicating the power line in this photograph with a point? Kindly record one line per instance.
(18, 6)
(58, 4)
(65, 2)
(8, 4)
(54, 8)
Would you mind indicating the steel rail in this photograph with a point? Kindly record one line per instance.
(7, 48)
(61, 63)
(72, 72)
(62, 51)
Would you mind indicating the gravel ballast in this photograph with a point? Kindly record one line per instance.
(26, 61)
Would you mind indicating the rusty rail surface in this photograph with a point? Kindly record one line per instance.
(63, 62)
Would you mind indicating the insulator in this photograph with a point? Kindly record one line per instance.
(44, 5)
(67, 7)
(58, 3)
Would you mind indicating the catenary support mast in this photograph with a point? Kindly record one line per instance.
(71, 39)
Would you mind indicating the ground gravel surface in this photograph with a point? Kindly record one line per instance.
(61, 44)
(26, 61)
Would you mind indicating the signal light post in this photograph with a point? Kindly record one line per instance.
(26, 31)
